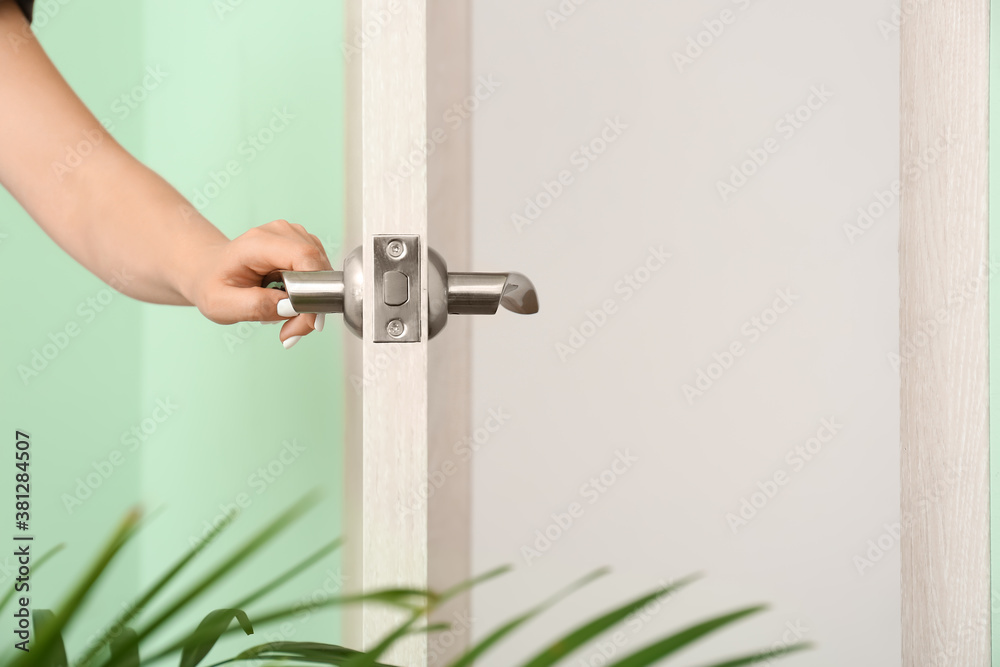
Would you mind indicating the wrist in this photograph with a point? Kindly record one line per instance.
(193, 272)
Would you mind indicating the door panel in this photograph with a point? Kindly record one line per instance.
(709, 386)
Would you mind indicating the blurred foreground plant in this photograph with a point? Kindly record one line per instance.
(119, 645)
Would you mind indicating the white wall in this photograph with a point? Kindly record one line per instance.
(622, 391)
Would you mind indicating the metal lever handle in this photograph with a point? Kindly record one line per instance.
(484, 293)
(448, 293)
(313, 291)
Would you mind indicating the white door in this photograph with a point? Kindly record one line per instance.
(708, 197)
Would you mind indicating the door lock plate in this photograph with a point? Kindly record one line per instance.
(396, 312)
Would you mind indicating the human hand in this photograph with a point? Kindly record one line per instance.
(226, 285)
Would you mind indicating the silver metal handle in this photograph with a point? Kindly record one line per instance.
(484, 293)
(315, 291)
(448, 293)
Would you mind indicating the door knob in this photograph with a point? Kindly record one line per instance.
(397, 290)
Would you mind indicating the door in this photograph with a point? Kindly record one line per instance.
(715, 382)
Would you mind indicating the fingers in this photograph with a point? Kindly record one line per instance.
(301, 231)
(294, 329)
(280, 245)
(299, 325)
(312, 238)
(292, 246)
(272, 306)
(263, 253)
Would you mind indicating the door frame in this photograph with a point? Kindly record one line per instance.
(944, 334)
(411, 62)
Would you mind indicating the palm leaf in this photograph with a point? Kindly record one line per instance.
(431, 628)
(260, 539)
(762, 656)
(208, 633)
(49, 638)
(661, 649)
(577, 638)
(368, 659)
(460, 588)
(56, 657)
(397, 597)
(510, 626)
(125, 649)
(316, 556)
(130, 612)
(34, 570)
(314, 652)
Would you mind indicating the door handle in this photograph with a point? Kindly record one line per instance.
(397, 283)
(484, 293)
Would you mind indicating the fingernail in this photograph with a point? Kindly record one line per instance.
(289, 342)
(285, 308)
(320, 321)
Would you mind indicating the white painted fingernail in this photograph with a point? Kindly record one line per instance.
(289, 342)
(285, 308)
(320, 321)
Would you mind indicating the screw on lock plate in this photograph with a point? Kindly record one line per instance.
(395, 249)
(395, 328)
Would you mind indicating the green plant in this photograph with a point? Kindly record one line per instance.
(119, 645)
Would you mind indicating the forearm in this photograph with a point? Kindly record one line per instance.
(111, 213)
(132, 229)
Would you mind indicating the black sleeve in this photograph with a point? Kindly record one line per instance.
(26, 7)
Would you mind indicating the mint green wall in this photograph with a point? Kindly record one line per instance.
(241, 394)
(241, 399)
(87, 393)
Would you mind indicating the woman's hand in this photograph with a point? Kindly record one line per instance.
(226, 285)
(117, 217)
